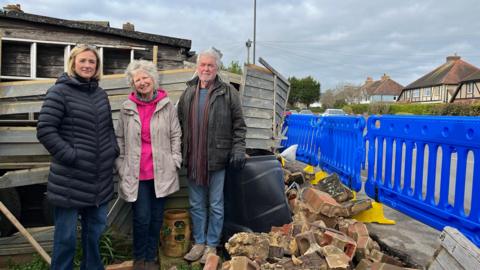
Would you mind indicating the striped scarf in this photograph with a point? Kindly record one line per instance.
(197, 150)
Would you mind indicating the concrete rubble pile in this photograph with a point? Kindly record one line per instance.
(323, 234)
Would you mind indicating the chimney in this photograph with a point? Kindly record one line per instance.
(13, 7)
(454, 57)
(385, 77)
(128, 26)
(369, 80)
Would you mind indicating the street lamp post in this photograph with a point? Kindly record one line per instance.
(254, 27)
(248, 44)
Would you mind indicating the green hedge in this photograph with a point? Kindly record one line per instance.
(420, 109)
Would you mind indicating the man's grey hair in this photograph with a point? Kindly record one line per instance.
(212, 52)
(145, 66)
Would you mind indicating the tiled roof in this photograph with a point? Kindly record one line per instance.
(451, 72)
(384, 86)
(472, 77)
(388, 87)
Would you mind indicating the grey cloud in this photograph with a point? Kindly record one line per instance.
(334, 41)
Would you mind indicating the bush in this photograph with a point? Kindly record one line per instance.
(417, 109)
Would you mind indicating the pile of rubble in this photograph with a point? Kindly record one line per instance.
(323, 234)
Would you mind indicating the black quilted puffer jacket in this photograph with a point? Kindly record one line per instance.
(75, 126)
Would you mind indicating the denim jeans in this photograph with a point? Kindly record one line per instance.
(93, 221)
(198, 197)
(147, 221)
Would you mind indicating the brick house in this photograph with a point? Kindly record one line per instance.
(383, 90)
(468, 91)
(439, 85)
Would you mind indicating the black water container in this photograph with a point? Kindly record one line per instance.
(254, 196)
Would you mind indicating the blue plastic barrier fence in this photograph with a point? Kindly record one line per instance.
(342, 148)
(334, 142)
(427, 167)
(301, 130)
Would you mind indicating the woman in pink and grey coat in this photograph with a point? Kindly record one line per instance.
(148, 134)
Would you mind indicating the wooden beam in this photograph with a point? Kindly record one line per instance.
(1, 56)
(18, 178)
(155, 54)
(25, 233)
(33, 60)
(267, 65)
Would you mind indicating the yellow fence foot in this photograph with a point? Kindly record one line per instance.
(374, 215)
(318, 175)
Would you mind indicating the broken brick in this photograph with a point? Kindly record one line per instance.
(285, 229)
(364, 264)
(275, 252)
(357, 230)
(243, 263)
(335, 257)
(309, 261)
(343, 242)
(332, 185)
(362, 247)
(354, 207)
(252, 245)
(211, 262)
(322, 202)
(307, 242)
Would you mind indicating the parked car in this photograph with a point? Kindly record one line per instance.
(305, 111)
(285, 113)
(334, 112)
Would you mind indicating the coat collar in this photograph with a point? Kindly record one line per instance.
(216, 84)
(132, 106)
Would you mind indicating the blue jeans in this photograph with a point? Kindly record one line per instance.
(147, 221)
(198, 197)
(93, 220)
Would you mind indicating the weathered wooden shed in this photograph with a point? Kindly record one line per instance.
(37, 47)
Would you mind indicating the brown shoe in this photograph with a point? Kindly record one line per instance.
(139, 265)
(195, 253)
(152, 266)
(208, 250)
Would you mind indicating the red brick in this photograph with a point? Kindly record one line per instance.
(284, 230)
(212, 262)
(356, 230)
(316, 198)
(343, 242)
(306, 242)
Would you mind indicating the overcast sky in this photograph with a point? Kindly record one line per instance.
(335, 41)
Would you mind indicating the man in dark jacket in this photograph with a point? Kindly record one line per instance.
(213, 131)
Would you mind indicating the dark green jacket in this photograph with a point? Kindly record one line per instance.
(226, 126)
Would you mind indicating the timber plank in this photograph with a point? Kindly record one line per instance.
(460, 248)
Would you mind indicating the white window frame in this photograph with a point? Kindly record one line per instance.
(427, 92)
(416, 93)
(68, 47)
(470, 87)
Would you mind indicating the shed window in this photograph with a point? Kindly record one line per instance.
(50, 60)
(115, 60)
(16, 59)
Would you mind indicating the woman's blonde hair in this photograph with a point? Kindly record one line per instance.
(142, 65)
(76, 51)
